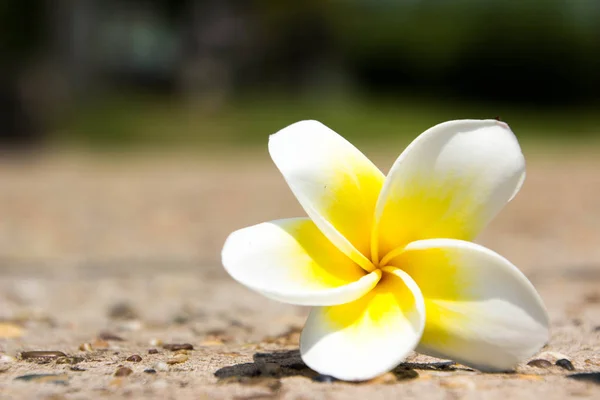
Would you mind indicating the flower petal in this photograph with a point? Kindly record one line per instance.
(370, 336)
(335, 183)
(448, 183)
(290, 260)
(480, 309)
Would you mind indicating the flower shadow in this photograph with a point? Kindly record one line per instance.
(283, 364)
(277, 365)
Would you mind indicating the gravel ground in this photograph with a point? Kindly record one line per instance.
(105, 258)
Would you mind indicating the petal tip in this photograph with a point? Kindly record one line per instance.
(303, 124)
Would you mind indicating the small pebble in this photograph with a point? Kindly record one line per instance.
(110, 336)
(134, 358)
(566, 364)
(44, 378)
(86, 347)
(152, 351)
(161, 366)
(324, 378)
(123, 371)
(539, 363)
(150, 371)
(42, 354)
(177, 359)
(77, 369)
(156, 342)
(177, 346)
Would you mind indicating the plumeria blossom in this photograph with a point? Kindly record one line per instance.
(388, 262)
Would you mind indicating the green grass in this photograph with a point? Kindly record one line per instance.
(121, 122)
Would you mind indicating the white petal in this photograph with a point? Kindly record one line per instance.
(291, 261)
(335, 183)
(368, 337)
(480, 309)
(449, 183)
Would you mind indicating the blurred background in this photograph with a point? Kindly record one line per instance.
(116, 74)
(136, 129)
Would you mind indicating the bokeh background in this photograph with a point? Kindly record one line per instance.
(138, 128)
(130, 73)
(133, 140)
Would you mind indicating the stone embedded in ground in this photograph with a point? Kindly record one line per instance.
(178, 346)
(134, 358)
(324, 378)
(177, 359)
(26, 355)
(566, 364)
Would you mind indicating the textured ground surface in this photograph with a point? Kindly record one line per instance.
(131, 248)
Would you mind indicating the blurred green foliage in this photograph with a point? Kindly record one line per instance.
(526, 50)
(153, 122)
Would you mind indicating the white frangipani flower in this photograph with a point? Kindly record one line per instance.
(387, 262)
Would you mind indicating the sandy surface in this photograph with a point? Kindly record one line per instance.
(90, 247)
